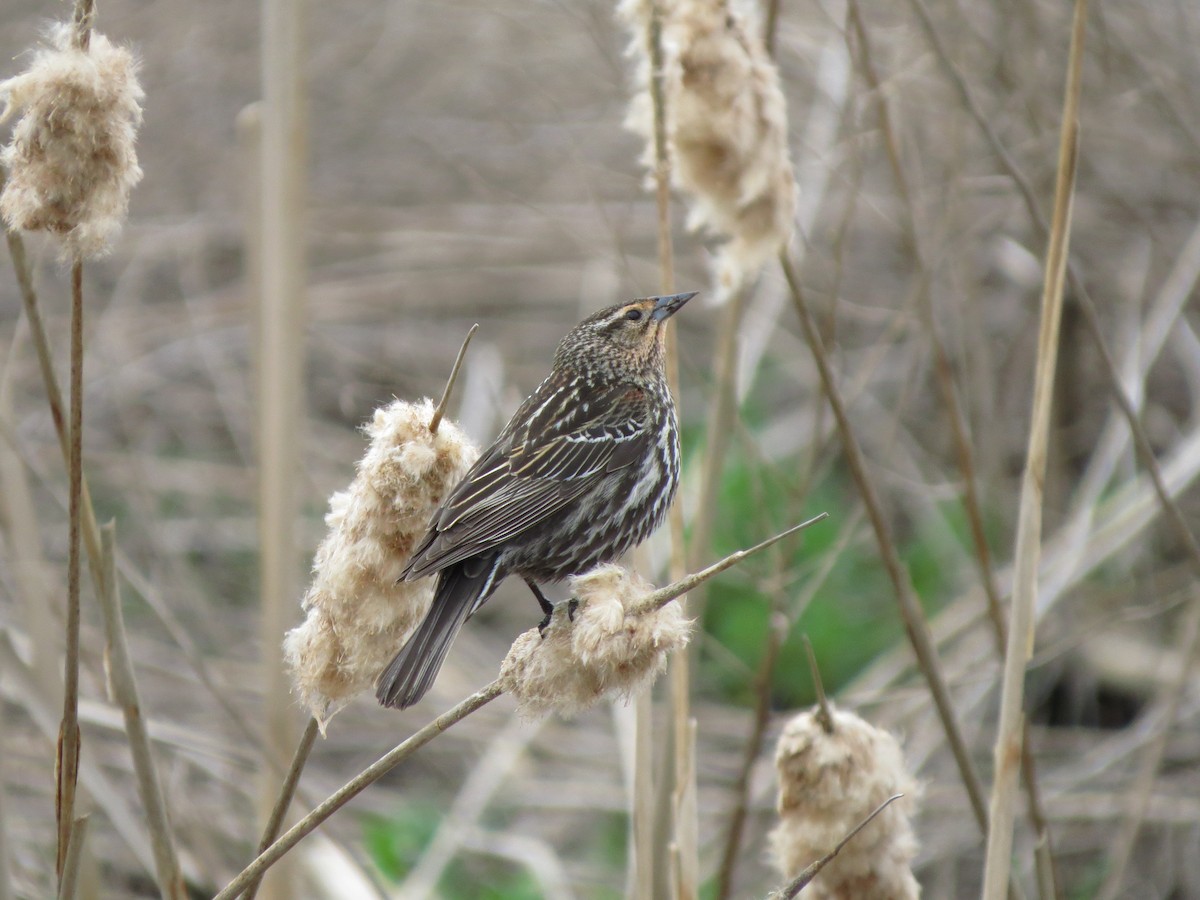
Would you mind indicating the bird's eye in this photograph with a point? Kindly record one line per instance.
(633, 315)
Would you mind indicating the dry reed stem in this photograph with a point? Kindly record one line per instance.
(801, 881)
(286, 792)
(354, 787)
(1079, 291)
(123, 685)
(281, 303)
(646, 850)
(911, 613)
(67, 765)
(69, 877)
(954, 414)
(440, 410)
(1029, 526)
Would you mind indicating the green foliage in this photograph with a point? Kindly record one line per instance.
(395, 845)
(852, 618)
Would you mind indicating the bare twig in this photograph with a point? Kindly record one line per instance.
(1029, 525)
(440, 411)
(125, 693)
(801, 881)
(286, 792)
(910, 610)
(354, 787)
(69, 877)
(664, 595)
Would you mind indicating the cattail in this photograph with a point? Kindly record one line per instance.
(71, 161)
(726, 126)
(602, 649)
(829, 782)
(358, 614)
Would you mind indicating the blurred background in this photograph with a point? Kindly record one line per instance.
(467, 163)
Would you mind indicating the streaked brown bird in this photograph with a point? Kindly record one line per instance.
(585, 469)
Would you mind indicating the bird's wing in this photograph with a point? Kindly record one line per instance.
(553, 451)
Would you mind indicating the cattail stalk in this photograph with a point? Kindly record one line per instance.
(280, 296)
(125, 693)
(1029, 526)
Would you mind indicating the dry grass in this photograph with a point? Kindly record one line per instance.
(468, 164)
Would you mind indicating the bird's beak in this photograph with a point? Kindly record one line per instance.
(665, 307)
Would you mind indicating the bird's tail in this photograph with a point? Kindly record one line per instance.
(461, 589)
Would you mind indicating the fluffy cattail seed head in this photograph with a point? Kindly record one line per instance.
(71, 161)
(357, 612)
(726, 125)
(828, 783)
(603, 650)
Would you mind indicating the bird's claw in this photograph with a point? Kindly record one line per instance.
(572, 608)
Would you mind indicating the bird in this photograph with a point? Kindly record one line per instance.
(584, 470)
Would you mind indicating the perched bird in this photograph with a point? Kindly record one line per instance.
(585, 469)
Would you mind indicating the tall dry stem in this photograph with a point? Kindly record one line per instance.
(1029, 524)
(281, 220)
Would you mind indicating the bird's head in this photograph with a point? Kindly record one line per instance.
(622, 337)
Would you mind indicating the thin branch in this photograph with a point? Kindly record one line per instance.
(659, 598)
(288, 789)
(353, 788)
(1029, 525)
(801, 881)
(125, 693)
(440, 411)
(910, 610)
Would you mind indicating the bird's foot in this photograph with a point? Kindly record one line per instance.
(572, 606)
